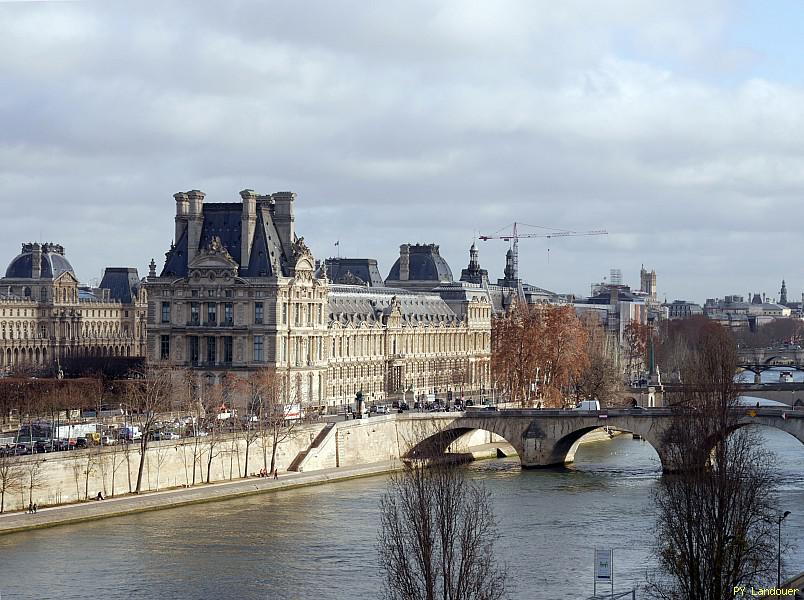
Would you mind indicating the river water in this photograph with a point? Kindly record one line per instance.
(318, 542)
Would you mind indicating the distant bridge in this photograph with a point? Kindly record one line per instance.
(544, 438)
(758, 360)
(791, 394)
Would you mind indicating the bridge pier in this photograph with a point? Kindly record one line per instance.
(757, 378)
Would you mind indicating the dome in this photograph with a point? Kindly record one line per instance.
(51, 262)
(424, 264)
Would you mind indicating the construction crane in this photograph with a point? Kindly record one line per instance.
(514, 236)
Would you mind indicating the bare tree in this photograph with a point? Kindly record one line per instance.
(601, 378)
(715, 512)
(261, 392)
(32, 476)
(437, 536)
(283, 414)
(635, 341)
(11, 477)
(148, 396)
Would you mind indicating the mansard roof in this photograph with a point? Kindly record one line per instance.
(359, 304)
(123, 283)
(354, 271)
(425, 264)
(223, 220)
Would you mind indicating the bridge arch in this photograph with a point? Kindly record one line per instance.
(434, 438)
(566, 446)
(793, 426)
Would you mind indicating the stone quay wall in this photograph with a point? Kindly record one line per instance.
(78, 475)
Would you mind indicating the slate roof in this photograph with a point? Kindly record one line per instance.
(354, 271)
(358, 304)
(426, 264)
(123, 283)
(52, 263)
(223, 219)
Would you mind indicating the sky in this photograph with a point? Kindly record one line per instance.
(677, 126)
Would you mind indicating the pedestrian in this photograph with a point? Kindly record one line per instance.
(34, 508)
(276, 473)
(30, 508)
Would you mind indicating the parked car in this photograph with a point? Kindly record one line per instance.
(42, 446)
(60, 445)
(22, 450)
(108, 440)
(170, 435)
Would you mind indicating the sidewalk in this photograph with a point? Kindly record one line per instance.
(124, 505)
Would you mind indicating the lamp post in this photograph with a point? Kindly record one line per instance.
(779, 520)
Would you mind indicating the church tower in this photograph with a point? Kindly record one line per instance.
(783, 294)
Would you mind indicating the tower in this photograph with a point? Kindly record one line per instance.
(783, 294)
(510, 271)
(473, 273)
(647, 281)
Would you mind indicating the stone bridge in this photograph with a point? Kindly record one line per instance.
(758, 360)
(545, 438)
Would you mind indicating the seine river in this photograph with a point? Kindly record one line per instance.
(318, 542)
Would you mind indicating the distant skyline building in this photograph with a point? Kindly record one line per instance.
(647, 281)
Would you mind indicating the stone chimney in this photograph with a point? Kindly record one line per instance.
(404, 262)
(195, 221)
(36, 261)
(284, 220)
(248, 225)
(182, 209)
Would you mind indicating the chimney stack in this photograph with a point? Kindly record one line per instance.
(284, 220)
(195, 220)
(404, 262)
(36, 260)
(248, 224)
(182, 209)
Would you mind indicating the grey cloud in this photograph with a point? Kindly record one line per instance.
(409, 122)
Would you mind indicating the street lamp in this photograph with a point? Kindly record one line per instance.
(779, 520)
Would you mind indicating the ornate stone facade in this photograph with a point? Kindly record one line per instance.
(396, 343)
(239, 291)
(45, 316)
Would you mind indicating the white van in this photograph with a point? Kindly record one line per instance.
(588, 405)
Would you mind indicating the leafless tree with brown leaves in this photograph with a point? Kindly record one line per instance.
(716, 511)
(601, 378)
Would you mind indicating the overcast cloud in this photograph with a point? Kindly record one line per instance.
(677, 127)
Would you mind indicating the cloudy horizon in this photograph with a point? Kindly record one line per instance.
(677, 127)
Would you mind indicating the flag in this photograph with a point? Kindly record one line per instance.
(338, 243)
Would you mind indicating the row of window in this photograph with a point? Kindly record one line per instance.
(311, 315)
(216, 349)
(371, 345)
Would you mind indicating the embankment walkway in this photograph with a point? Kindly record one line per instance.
(129, 504)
